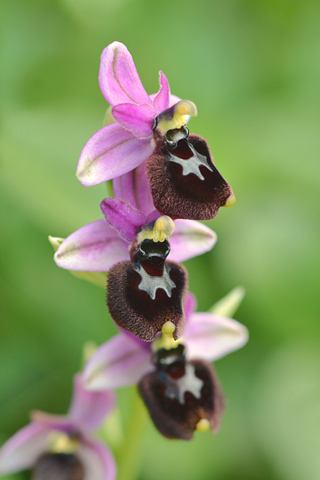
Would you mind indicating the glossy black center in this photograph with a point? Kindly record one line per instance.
(149, 248)
(172, 137)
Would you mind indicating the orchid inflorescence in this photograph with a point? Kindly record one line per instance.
(164, 181)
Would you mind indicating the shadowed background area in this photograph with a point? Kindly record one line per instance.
(252, 68)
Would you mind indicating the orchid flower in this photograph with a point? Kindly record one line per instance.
(98, 246)
(152, 129)
(62, 446)
(125, 360)
(132, 245)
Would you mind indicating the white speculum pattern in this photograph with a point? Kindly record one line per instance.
(176, 388)
(151, 284)
(192, 164)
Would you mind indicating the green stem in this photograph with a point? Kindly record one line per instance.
(131, 451)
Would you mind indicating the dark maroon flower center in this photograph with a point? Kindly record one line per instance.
(58, 466)
(179, 394)
(148, 291)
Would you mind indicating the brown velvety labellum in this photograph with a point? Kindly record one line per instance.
(134, 309)
(181, 190)
(177, 403)
(58, 466)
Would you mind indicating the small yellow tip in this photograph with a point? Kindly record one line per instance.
(55, 242)
(168, 327)
(230, 201)
(203, 425)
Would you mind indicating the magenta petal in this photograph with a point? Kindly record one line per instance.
(190, 306)
(111, 152)
(119, 362)
(92, 248)
(98, 461)
(89, 409)
(118, 78)
(138, 119)
(121, 216)
(211, 337)
(189, 239)
(133, 188)
(162, 100)
(22, 450)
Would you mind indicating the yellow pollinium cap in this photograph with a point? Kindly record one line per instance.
(230, 201)
(162, 229)
(181, 111)
(60, 442)
(166, 339)
(203, 425)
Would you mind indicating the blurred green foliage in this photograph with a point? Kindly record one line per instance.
(252, 68)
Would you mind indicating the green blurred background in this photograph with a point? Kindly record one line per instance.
(252, 68)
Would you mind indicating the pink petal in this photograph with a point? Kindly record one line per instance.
(22, 450)
(138, 119)
(190, 306)
(53, 422)
(89, 409)
(133, 188)
(189, 239)
(93, 248)
(111, 152)
(119, 362)
(118, 78)
(162, 99)
(126, 220)
(97, 460)
(211, 337)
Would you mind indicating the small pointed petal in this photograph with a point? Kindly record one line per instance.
(97, 278)
(55, 242)
(190, 306)
(89, 409)
(211, 337)
(162, 99)
(98, 461)
(228, 305)
(111, 152)
(118, 78)
(119, 362)
(190, 239)
(127, 221)
(133, 188)
(94, 247)
(138, 119)
(22, 450)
